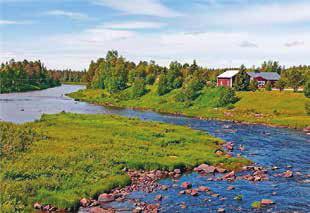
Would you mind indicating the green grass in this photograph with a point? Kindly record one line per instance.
(75, 156)
(74, 83)
(264, 107)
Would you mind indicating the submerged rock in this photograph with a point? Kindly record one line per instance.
(288, 174)
(266, 202)
(221, 210)
(106, 198)
(186, 185)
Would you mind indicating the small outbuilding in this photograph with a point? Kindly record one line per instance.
(227, 78)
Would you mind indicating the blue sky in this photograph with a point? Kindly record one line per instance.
(218, 33)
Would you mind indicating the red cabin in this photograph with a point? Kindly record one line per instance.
(227, 78)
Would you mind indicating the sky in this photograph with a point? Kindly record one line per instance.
(217, 33)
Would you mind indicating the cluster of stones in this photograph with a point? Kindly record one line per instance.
(145, 181)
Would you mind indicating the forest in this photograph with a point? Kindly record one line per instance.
(114, 74)
(25, 76)
(68, 76)
(191, 90)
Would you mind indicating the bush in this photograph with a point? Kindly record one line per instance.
(268, 86)
(163, 87)
(190, 91)
(227, 97)
(150, 79)
(307, 89)
(138, 88)
(253, 85)
(281, 84)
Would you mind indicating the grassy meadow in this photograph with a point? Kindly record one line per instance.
(65, 157)
(266, 107)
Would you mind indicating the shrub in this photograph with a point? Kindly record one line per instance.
(138, 88)
(307, 89)
(268, 86)
(163, 87)
(150, 79)
(253, 85)
(280, 84)
(190, 91)
(227, 96)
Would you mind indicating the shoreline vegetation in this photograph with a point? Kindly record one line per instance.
(191, 90)
(23, 76)
(65, 157)
(274, 108)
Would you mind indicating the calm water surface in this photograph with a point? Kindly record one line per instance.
(266, 146)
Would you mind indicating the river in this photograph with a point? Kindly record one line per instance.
(266, 146)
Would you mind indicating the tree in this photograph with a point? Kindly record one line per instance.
(268, 86)
(163, 86)
(242, 80)
(138, 88)
(191, 90)
(295, 79)
(307, 89)
(281, 84)
(271, 66)
(253, 85)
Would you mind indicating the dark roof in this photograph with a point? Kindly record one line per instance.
(271, 76)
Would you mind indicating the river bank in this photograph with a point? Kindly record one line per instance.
(274, 149)
(285, 110)
(87, 153)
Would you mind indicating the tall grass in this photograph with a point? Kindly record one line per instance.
(83, 155)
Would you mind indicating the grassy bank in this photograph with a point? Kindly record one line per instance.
(265, 107)
(66, 157)
(73, 83)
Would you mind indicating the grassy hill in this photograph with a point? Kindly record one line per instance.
(65, 157)
(267, 107)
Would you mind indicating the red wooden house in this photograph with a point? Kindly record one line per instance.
(227, 78)
(263, 77)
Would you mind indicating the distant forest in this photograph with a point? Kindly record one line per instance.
(68, 75)
(24, 76)
(114, 73)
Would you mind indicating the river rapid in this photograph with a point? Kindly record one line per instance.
(266, 146)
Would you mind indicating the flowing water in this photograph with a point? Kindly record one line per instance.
(266, 146)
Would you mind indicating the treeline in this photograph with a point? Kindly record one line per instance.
(114, 74)
(293, 77)
(68, 75)
(24, 76)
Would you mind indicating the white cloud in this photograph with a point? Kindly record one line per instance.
(139, 7)
(134, 25)
(248, 44)
(212, 49)
(274, 13)
(68, 14)
(9, 22)
(294, 43)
